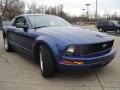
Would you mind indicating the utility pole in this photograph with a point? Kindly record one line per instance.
(34, 8)
(96, 16)
(42, 7)
(83, 11)
(88, 10)
(83, 15)
(55, 7)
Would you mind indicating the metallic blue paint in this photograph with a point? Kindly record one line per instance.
(58, 39)
(90, 63)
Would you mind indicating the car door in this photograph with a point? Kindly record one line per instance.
(15, 33)
(110, 26)
(24, 38)
(104, 25)
(107, 25)
(18, 35)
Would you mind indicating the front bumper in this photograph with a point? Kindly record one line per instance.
(90, 63)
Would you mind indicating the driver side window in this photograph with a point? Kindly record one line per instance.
(20, 20)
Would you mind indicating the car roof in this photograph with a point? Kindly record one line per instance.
(25, 15)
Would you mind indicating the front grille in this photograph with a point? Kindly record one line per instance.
(93, 48)
(100, 47)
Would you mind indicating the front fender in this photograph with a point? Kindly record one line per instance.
(49, 43)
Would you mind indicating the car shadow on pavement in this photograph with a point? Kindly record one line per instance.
(28, 72)
(113, 34)
(59, 74)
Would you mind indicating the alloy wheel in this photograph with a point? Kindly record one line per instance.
(6, 43)
(100, 30)
(41, 61)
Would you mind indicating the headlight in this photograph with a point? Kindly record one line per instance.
(70, 50)
(75, 50)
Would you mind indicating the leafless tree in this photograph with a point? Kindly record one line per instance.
(33, 8)
(3, 5)
(13, 10)
(9, 9)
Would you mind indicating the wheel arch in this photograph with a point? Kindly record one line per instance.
(4, 32)
(48, 43)
(4, 35)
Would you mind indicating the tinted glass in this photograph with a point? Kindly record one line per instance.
(20, 20)
(47, 20)
(105, 23)
(110, 23)
(116, 23)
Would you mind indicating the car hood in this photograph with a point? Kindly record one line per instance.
(75, 35)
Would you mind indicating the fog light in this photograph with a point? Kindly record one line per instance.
(78, 62)
(72, 62)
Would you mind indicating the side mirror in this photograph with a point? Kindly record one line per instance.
(20, 25)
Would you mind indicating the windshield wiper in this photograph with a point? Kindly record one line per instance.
(39, 27)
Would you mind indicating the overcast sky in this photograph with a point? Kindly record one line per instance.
(74, 7)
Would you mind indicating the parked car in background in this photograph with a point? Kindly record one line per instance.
(105, 25)
(57, 45)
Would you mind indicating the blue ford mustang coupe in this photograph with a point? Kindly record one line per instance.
(57, 45)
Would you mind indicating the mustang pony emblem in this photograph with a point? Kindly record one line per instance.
(104, 45)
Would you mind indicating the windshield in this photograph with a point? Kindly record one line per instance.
(38, 21)
(116, 23)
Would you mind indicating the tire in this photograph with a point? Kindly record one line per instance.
(117, 31)
(47, 62)
(100, 30)
(7, 46)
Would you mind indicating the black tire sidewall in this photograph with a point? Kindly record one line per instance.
(48, 62)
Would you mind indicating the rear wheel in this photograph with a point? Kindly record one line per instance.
(47, 62)
(7, 46)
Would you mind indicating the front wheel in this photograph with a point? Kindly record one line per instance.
(7, 46)
(100, 30)
(47, 62)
